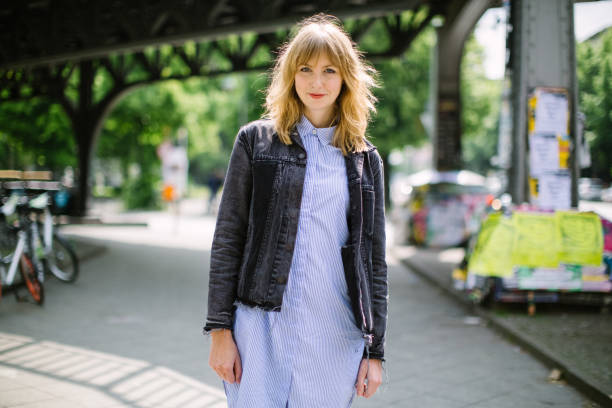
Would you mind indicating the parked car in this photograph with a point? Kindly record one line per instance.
(437, 209)
(590, 189)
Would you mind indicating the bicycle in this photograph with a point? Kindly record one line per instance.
(19, 257)
(52, 252)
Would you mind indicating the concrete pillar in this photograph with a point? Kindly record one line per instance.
(542, 55)
(459, 22)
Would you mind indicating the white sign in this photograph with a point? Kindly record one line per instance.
(551, 113)
(543, 154)
(554, 191)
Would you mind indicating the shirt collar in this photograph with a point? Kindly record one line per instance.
(305, 128)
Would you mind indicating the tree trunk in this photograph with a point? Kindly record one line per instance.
(84, 124)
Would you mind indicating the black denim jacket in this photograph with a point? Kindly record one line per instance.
(257, 224)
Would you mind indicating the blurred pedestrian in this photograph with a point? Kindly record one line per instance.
(297, 301)
(214, 183)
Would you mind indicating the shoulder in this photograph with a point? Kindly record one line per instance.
(257, 127)
(372, 152)
(257, 131)
(374, 157)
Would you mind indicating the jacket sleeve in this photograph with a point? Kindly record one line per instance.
(379, 265)
(230, 236)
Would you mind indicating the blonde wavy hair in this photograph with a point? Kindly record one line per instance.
(315, 35)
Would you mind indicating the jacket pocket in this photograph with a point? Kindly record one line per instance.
(368, 209)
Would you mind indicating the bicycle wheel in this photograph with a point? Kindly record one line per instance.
(62, 261)
(31, 281)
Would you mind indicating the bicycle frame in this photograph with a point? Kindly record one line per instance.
(40, 250)
(13, 260)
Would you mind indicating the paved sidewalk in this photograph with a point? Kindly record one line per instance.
(577, 341)
(127, 333)
(47, 374)
(20, 388)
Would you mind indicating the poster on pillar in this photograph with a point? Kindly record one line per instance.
(548, 126)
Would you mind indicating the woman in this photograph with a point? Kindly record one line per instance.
(297, 302)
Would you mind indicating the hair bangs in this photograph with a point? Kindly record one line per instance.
(313, 44)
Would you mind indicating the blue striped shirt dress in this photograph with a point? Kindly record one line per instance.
(308, 354)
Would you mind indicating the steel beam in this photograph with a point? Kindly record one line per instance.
(35, 32)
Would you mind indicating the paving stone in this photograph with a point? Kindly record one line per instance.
(22, 396)
(146, 302)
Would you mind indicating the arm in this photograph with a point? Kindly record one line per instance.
(230, 236)
(379, 265)
(369, 376)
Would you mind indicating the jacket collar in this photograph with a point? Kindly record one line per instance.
(295, 136)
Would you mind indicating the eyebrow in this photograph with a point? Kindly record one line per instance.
(326, 66)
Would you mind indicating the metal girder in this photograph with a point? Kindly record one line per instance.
(232, 53)
(34, 32)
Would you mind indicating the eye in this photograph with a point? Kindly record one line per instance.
(304, 69)
(330, 71)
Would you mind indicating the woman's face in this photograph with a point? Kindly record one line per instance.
(318, 84)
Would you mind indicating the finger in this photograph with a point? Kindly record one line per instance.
(371, 389)
(360, 389)
(228, 374)
(373, 383)
(361, 375)
(238, 369)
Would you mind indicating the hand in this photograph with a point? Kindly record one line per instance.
(369, 378)
(224, 357)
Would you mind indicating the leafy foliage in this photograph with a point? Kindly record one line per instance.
(402, 97)
(480, 103)
(594, 69)
(35, 134)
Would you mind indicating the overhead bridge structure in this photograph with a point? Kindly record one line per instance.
(47, 44)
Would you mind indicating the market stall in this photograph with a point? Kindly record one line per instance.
(529, 256)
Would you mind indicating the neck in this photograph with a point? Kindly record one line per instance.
(320, 119)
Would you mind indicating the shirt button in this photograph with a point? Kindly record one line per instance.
(301, 155)
(314, 131)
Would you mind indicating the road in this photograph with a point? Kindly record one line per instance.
(140, 305)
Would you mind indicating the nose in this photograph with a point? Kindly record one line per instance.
(317, 80)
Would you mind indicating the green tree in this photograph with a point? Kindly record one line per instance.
(480, 103)
(402, 97)
(132, 132)
(594, 70)
(35, 135)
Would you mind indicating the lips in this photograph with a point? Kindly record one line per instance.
(316, 96)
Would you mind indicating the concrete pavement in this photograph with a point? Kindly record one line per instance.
(574, 340)
(128, 334)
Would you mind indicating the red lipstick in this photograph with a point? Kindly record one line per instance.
(316, 96)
